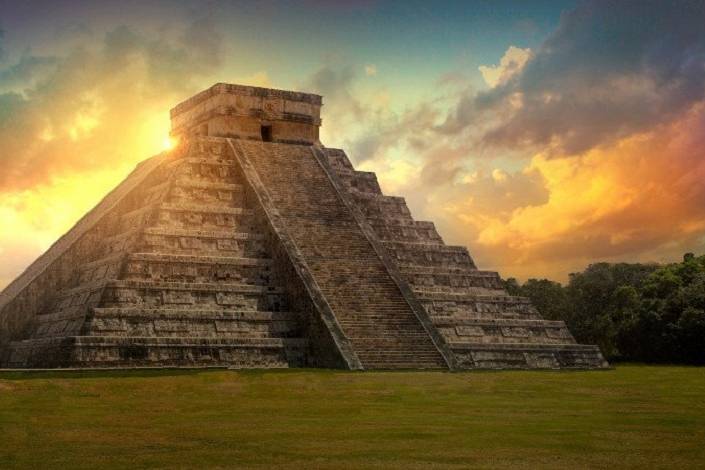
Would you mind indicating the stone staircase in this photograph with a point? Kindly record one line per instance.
(368, 305)
(484, 327)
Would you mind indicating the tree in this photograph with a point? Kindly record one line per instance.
(639, 312)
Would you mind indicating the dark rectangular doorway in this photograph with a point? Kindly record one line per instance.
(266, 133)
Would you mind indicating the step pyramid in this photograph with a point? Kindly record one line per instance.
(252, 245)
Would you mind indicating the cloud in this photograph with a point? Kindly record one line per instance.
(511, 63)
(94, 106)
(640, 199)
(260, 79)
(589, 148)
(335, 83)
(2, 44)
(362, 123)
(611, 69)
(73, 125)
(370, 70)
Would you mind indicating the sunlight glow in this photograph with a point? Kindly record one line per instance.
(168, 143)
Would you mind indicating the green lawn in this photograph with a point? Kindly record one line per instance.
(630, 417)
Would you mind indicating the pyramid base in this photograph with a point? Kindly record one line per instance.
(128, 352)
(527, 356)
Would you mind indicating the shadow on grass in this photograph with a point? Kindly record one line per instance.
(28, 374)
(102, 374)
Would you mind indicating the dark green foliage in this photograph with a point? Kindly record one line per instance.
(548, 296)
(640, 312)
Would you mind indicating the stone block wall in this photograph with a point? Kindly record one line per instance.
(226, 110)
(177, 273)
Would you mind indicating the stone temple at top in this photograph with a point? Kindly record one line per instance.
(253, 245)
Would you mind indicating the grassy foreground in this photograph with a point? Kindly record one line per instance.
(630, 417)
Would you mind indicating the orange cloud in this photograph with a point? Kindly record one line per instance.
(641, 198)
(81, 122)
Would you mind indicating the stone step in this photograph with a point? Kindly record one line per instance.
(510, 336)
(195, 268)
(528, 356)
(400, 362)
(410, 269)
(207, 170)
(156, 294)
(402, 233)
(440, 293)
(363, 326)
(380, 198)
(461, 346)
(168, 313)
(193, 265)
(376, 363)
(164, 341)
(193, 313)
(124, 351)
(338, 158)
(203, 217)
(178, 258)
(391, 337)
(400, 351)
(453, 280)
(400, 222)
(358, 182)
(429, 255)
(528, 323)
(204, 160)
(488, 298)
(191, 183)
(390, 365)
(222, 189)
(193, 286)
(221, 326)
(218, 234)
(187, 326)
(204, 208)
(379, 205)
(204, 242)
(399, 355)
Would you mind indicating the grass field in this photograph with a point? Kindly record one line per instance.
(630, 417)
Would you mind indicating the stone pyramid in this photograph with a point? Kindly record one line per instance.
(253, 245)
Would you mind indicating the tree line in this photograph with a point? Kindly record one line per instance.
(634, 312)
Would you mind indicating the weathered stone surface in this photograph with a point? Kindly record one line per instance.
(251, 245)
(484, 327)
(245, 112)
(368, 305)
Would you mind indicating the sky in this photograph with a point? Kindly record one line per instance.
(544, 136)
